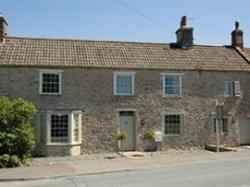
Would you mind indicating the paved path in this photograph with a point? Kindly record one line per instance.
(101, 165)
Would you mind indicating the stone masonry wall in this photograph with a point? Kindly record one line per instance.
(91, 90)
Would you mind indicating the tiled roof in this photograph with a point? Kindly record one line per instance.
(247, 53)
(107, 54)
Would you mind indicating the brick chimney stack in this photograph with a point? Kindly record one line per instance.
(184, 34)
(237, 36)
(3, 28)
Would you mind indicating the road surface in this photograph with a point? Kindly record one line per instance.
(229, 173)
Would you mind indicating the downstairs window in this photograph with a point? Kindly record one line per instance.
(61, 127)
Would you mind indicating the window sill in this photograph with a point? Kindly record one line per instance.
(50, 94)
(126, 95)
(172, 95)
(222, 134)
(62, 144)
(232, 96)
(172, 135)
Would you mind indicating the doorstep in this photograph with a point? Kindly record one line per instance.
(133, 154)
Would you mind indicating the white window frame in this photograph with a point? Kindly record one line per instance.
(132, 74)
(71, 127)
(236, 90)
(49, 71)
(182, 116)
(180, 84)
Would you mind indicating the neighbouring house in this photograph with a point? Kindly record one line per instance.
(87, 91)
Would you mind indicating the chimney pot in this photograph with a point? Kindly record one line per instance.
(183, 21)
(237, 25)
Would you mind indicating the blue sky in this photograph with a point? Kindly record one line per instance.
(212, 20)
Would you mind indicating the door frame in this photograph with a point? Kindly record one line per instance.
(135, 122)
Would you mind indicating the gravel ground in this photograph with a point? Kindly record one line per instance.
(171, 153)
(66, 159)
(114, 155)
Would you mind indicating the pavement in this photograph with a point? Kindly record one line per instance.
(60, 167)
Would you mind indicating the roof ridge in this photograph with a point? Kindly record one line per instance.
(86, 40)
(110, 41)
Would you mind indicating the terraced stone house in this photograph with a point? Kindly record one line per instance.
(86, 91)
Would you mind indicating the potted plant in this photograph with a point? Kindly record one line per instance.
(121, 136)
(149, 137)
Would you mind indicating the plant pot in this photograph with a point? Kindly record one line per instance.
(150, 147)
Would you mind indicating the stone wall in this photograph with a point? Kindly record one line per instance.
(91, 90)
(57, 150)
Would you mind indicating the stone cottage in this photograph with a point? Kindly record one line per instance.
(87, 91)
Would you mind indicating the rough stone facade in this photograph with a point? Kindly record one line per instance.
(91, 90)
(57, 150)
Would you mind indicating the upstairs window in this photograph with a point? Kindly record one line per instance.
(50, 82)
(232, 88)
(172, 84)
(124, 83)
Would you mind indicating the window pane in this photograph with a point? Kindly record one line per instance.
(237, 88)
(224, 125)
(172, 124)
(124, 84)
(50, 83)
(59, 128)
(76, 127)
(172, 84)
(229, 88)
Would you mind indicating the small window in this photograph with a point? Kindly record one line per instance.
(232, 88)
(124, 83)
(50, 82)
(224, 127)
(172, 85)
(172, 124)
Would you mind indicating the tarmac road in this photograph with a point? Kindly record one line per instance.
(229, 173)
